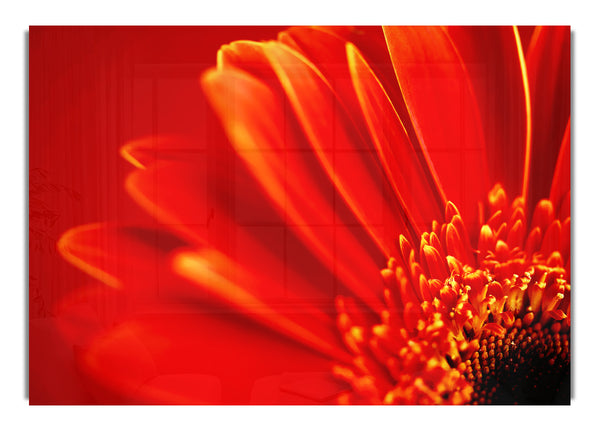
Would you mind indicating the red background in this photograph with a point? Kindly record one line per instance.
(90, 90)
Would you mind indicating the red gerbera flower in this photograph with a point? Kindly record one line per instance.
(444, 152)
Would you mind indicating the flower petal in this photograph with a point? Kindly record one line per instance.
(560, 192)
(491, 58)
(145, 151)
(185, 358)
(133, 260)
(241, 287)
(549, 70)
(290, 176)
(261, 274)
(440, 100)
(138, 261)
(410, 175)
(326, 52)
(370, 42)
(248, 56)
(125, 362)
(53, 377)
(360, 173)
(298, 388)
(328, 125)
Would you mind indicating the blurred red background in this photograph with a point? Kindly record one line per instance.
(92, 89)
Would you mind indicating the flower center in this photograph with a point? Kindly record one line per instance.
(526, 366)
(469, 325)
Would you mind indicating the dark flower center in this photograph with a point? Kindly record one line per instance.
(527, 366)
(485, 325)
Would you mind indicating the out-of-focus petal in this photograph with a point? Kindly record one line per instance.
(491, 58)
(119, 256)
(371, 43)
(442, 106)
(526, 32)
(328, 125)
(257, 272)
(119, 362)
(549, 70)
(326, 53)
(119, 365)
(188, 358)
(292, 178)
(252, 234)
(241, 288)
(408, 171)
(53, 375)
(560, 192)
(145, 151)
(305, 388)
(139, 260)
(248, 56)
(358, 177)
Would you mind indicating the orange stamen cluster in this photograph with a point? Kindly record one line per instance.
(444, 302)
